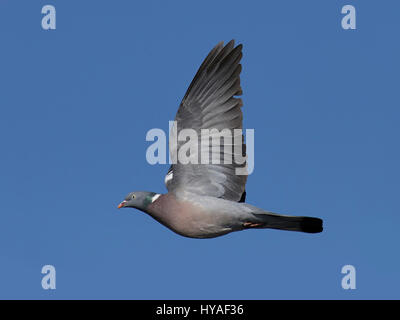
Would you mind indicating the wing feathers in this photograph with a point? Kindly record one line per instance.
(210, 103)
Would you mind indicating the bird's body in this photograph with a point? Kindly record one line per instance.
(187, 216)
(207, 200)
(197, 216)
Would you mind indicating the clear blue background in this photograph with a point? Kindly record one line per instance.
(76, 104)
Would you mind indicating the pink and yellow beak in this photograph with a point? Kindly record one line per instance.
(122, 204)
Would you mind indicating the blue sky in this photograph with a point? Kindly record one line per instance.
(76, 104)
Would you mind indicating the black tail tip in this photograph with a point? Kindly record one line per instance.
(311, 225)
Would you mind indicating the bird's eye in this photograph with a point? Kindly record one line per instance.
(133, 196)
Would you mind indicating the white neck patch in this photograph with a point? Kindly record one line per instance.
(169, 177)
(155, 197)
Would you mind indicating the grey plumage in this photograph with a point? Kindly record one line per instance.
(210, 103)
(207, 200)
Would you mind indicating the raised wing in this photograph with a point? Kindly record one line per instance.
(209, 103)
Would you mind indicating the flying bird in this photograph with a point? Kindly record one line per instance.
(208, 200)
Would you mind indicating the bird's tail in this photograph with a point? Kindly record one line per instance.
(291, 223)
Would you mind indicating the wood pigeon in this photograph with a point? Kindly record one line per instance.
(208, 200)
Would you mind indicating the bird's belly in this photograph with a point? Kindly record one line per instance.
(194, 225)
(202, 232)
(190, 220)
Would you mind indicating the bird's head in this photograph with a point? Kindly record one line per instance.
(138, 200)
